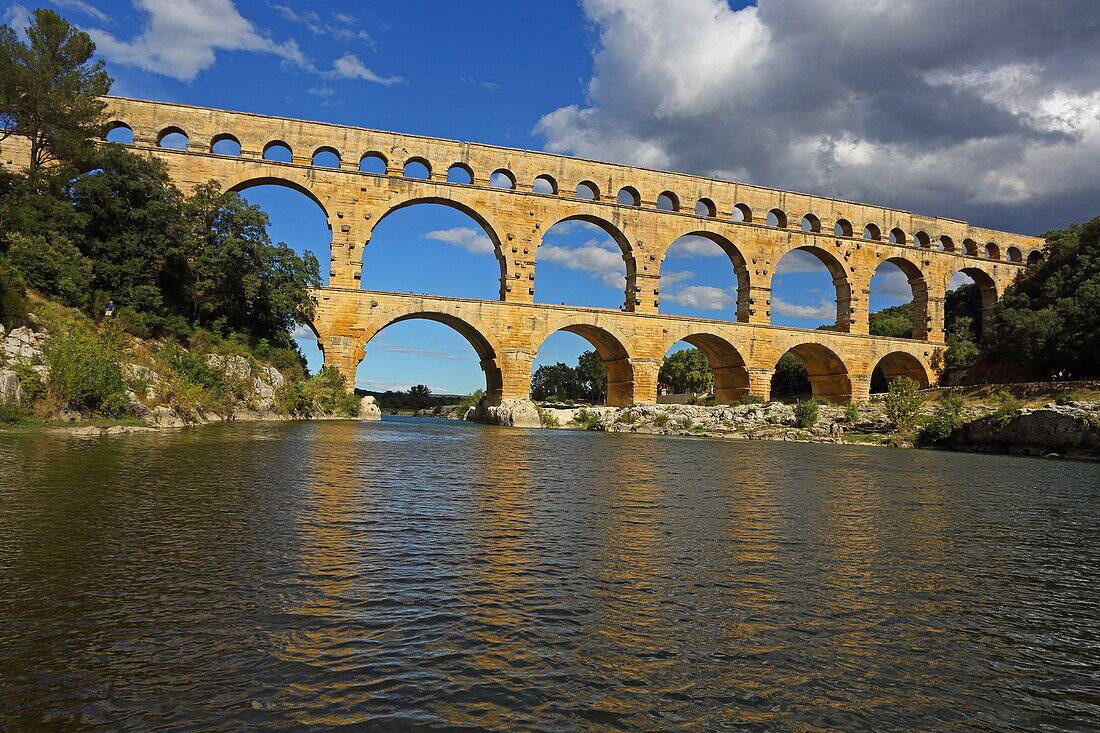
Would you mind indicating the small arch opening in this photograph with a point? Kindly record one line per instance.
(946, 244)
(587, 191)
(373, 163)
(226, 145)
(970, 247)
(417, 168)
(326, 158)
(668, 201)
(871, 231)
(544, 184)
(628, 196)
(842, 228)
(1014, 254)
(705, 207)
(278, 152)
(118, 132)
(921, 239)
(741, 213)
(777, 218)
(460, 173)
(1035, 257)
(810, 223)
(897, 236)
(173, 138)
(502, 179)
(992, 251)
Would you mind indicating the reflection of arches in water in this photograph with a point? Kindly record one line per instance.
(432, 355)
(895, 365)
(827, 374)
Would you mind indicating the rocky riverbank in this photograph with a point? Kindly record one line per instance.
(1070, 430)
(152, 397)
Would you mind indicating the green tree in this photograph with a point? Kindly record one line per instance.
(790, 378)
(84, 368)
(592, 375)
(1048, 321)
(687, 371)
(420, 395)
(902, 402)
(50, 89)
(13, 292)
(895, 322)
(53, 266)
(806, 413)
(242, 281)
(558, 381)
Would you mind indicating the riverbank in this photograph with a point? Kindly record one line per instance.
(987, 421)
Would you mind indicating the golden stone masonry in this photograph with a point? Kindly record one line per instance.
(755, 226)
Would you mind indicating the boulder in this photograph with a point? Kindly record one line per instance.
(513, 413)
(368, 410)
(1067, 431)
(11, 391)
(165, 417)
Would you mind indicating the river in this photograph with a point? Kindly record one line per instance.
(429, 575)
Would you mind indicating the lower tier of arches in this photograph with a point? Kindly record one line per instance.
(506, 338)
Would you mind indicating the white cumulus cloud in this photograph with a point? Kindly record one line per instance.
(471, 240)
(349, 66)
(988, 112)
(825, 311)
(701, 297)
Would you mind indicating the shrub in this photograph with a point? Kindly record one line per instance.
(192, 367)
(349, 404)
(750, 399)
(903, 402)
(944, 420)
(661, 419)
(627, 417)
(686, 423)
(13, 294)
(851, 413)
(586, 419)
(1006, 405)
(546, 419)
(84, 367)
(53, 266)
(470, 401)
(327, 388)
(30, 382)
(10, 413)
(1064, 397)
(294, 399)
(806, 413)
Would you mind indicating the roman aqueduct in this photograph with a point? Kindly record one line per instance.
(644, 211)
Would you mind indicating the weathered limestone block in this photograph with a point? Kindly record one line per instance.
(368, 410)
(513, 413)
(11, 391)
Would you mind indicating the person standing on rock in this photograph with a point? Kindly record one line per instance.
(109, 313)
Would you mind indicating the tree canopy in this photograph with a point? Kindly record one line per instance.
(50, 90)
(686, 371)
(1048, 321)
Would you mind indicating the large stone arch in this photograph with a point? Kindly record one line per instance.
(618, 236)
(987, 287)
(741, 268)
(903, 364)
(611, 344)
(288, 179)
(842, 282)
(829, 376)
(485, 347)
(491, 229)
(731, 375)
(918, 284)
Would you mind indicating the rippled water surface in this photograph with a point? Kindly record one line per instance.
(416, 575)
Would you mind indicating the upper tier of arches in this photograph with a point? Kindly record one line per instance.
(531, 172)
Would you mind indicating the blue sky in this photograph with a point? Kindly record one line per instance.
(687, 86)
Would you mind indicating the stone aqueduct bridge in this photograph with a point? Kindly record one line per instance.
(755, 226)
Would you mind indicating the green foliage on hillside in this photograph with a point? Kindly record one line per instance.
(1048, 321)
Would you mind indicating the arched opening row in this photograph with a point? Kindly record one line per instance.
(377, 163)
